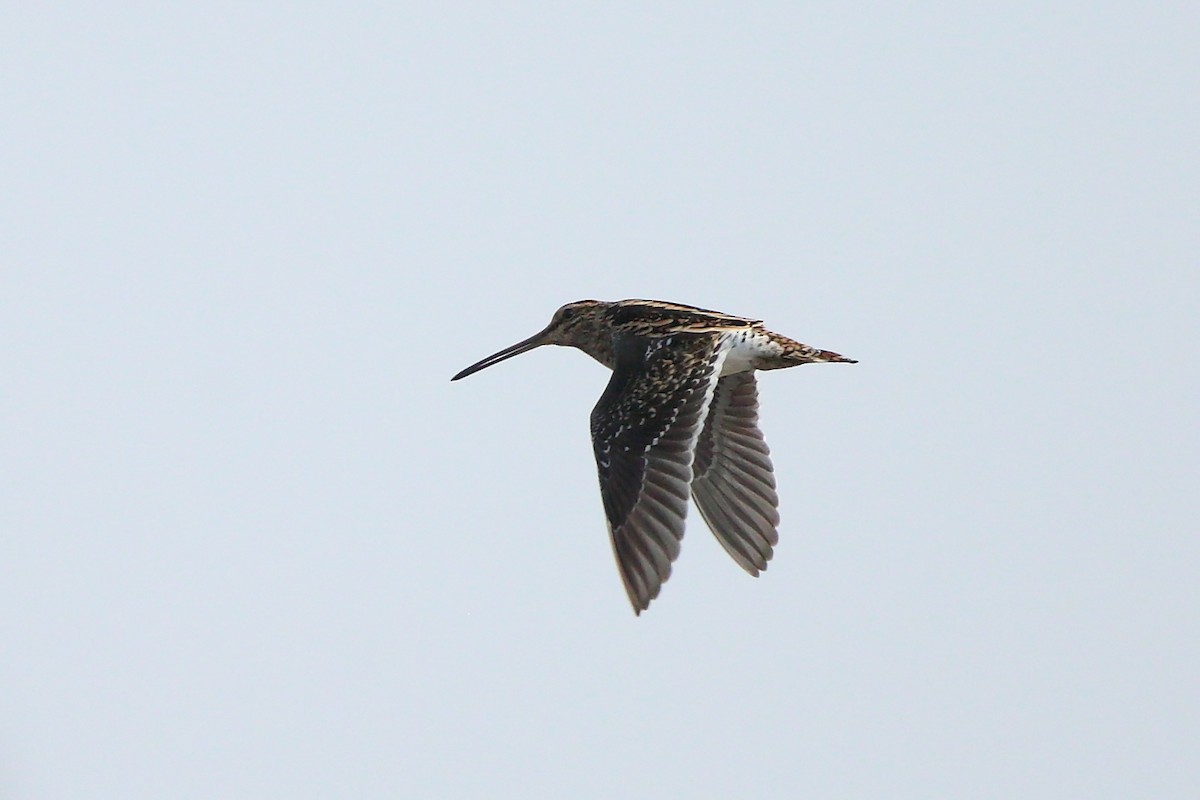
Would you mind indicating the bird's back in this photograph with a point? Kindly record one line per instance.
(659, 318)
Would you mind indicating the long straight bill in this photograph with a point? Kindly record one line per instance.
(508, 352)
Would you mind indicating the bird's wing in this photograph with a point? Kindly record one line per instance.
(733, 482)
(644, 429)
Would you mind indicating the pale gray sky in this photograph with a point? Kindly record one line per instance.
(254, 543)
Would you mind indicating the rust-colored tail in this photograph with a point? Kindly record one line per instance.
(832, 357)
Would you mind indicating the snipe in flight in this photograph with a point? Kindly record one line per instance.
(680, 414)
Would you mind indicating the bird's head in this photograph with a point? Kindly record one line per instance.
(577, 324)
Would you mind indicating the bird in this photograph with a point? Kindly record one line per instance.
(679, 416)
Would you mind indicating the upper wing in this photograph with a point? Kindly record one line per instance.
(733, 484)
(644, 429)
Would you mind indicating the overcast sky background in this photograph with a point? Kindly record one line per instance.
(254, 543)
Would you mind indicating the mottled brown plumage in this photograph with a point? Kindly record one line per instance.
(679, 417)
